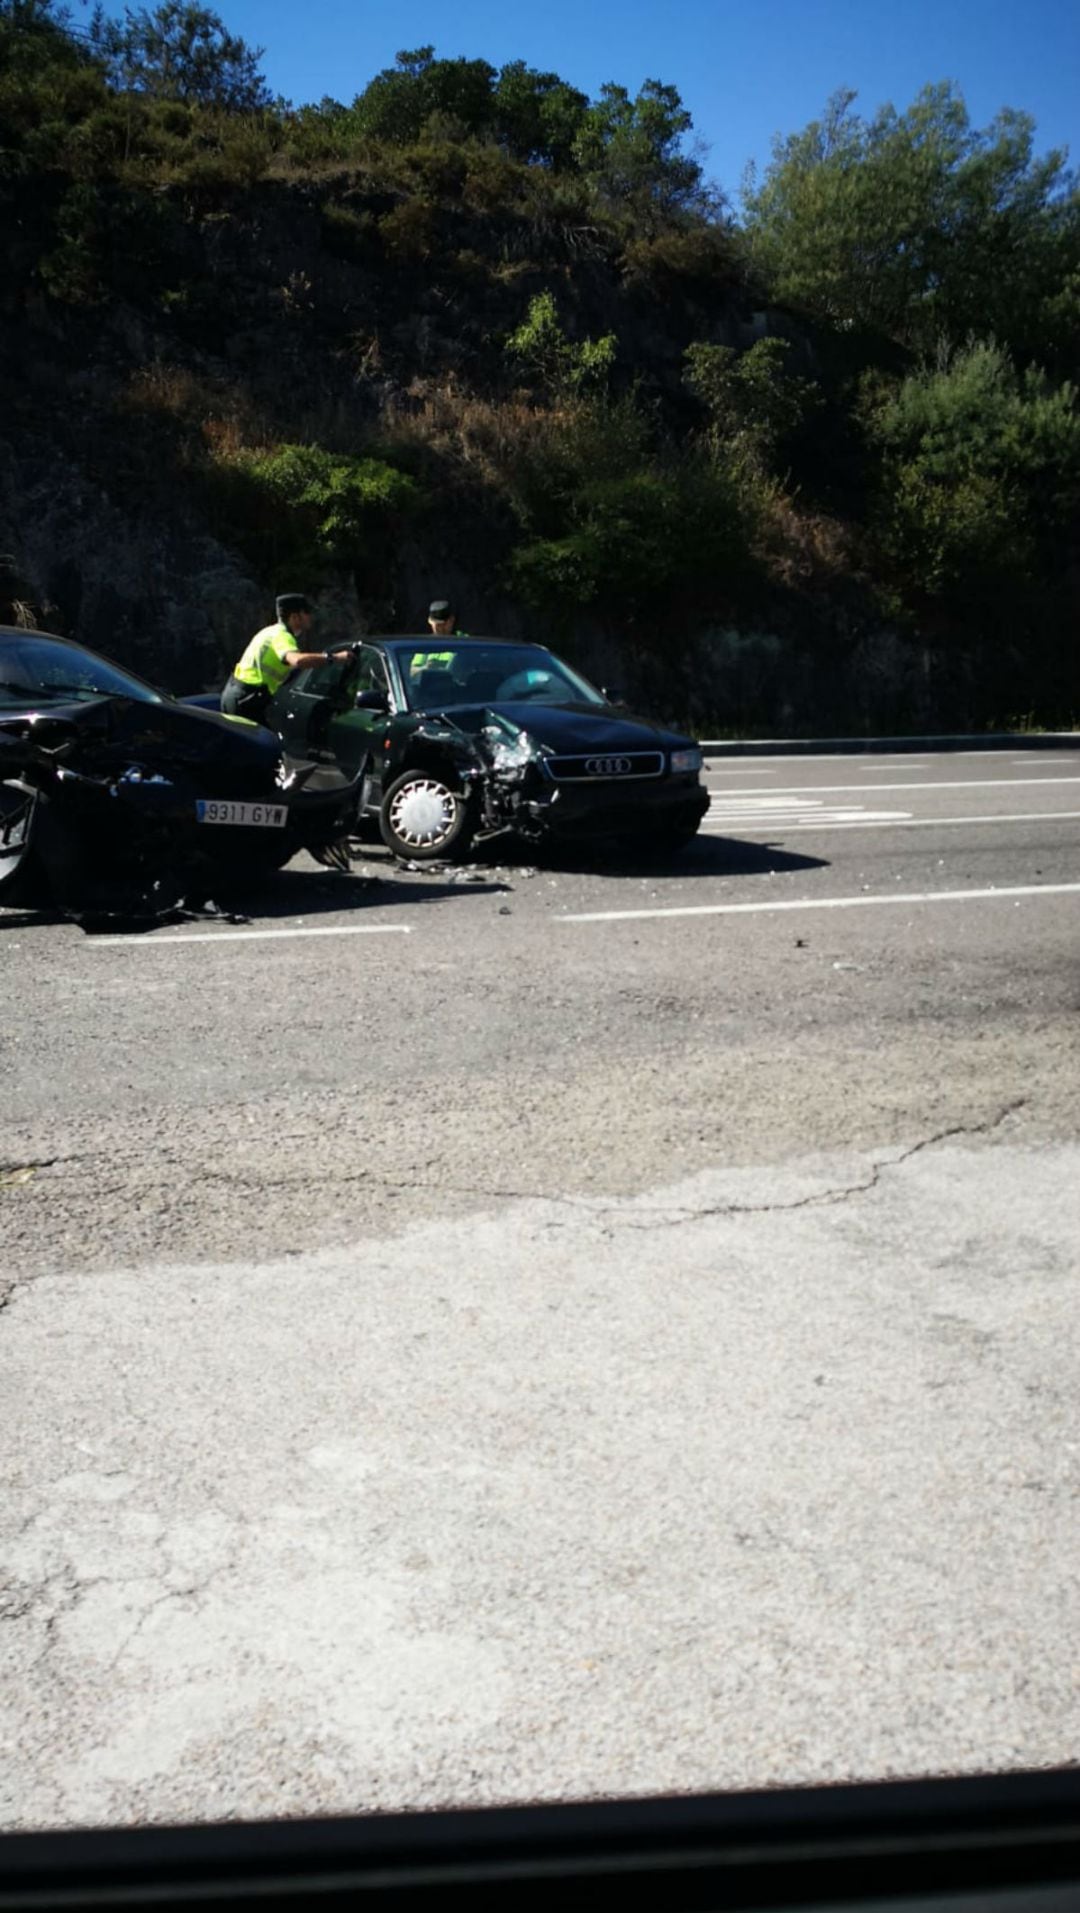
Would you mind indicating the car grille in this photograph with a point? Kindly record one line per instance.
(606, 766)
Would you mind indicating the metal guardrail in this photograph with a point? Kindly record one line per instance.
(880, 746)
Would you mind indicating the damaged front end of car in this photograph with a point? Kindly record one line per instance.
(516, 793)
(497, 767)
(116, 812)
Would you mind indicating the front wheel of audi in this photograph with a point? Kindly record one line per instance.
(424, 818)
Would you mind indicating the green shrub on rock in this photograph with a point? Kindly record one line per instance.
(319, 510)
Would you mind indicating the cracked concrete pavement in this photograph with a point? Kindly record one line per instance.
(546, 1363)
(498, 1509)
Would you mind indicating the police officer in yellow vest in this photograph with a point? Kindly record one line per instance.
(442, 623)
(273, 652)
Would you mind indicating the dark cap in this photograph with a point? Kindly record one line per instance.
(440, 608)
(289, 602)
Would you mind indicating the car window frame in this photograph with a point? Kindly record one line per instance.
(380, 658)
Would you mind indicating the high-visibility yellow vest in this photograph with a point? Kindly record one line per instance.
(434, 660)
(264, 660)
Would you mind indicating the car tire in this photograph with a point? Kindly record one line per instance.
(423, 818)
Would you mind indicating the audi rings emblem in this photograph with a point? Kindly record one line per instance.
(608, 766)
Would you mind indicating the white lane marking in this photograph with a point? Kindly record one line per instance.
(251, 936)
(901, 821)
(777, 819)
(964, 783)
(1026, 761)
(852, 757)
(758, 800)
(822, 903)
(749, 813)
(797, 819)
(753, 767)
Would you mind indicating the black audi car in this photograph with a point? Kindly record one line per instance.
(111, 790)
(459, 737)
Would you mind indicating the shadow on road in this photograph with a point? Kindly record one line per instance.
(490, 871)
(706, 856)
(310, 893)
(287, 893)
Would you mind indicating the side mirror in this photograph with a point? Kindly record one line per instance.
(613, 696)
(372, 701)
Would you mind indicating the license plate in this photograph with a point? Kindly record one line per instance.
(216, 810)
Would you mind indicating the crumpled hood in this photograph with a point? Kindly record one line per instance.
(195, 739)
(568, 729)
(167, 735)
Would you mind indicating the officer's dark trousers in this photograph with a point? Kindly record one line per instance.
(245, 700)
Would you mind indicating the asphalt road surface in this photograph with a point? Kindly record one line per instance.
(534, 1332)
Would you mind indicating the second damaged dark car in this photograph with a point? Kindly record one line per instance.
(459, 737)
(116, 800)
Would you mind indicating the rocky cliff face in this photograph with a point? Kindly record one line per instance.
(283, 313)
(357, 318)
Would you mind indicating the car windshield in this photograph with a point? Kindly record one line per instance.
(442, 672)
(40, 670)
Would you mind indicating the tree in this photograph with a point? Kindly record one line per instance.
(753, 403)
(537, 116)
(632, 149)
(399, 102)
(32, 15)
(180, 51)
(920, 226)
(980, 479)
(49, 87)
(35, 33)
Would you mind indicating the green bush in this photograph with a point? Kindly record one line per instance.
(754, 404)
(347, 232)
(695, 256)
(316, 510)
(979, 487)
(407, 232)
(650, 549)
(541, 345)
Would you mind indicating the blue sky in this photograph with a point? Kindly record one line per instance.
(745, 68)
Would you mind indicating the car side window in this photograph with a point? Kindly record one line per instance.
(371, 671)
(320, 681)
